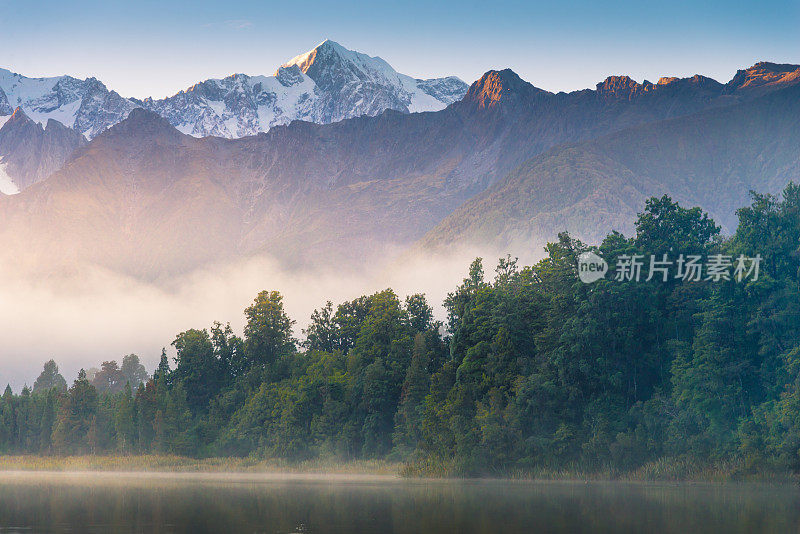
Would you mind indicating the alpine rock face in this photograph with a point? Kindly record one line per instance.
(328, 84)
(351, 84)
(29, 153)
(238, 105)
(507, 164)
(85, 105)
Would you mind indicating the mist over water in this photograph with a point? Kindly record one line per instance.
(88, 314)
(153, 502)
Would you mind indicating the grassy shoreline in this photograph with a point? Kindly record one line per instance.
(180, 464)
(664, 470)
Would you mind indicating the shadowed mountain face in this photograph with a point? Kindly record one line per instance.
(30, 153)
(711, 159)
(144, 199)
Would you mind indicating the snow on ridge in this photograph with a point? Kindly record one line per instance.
(333, 90)
(39, 98)
(86, 105)
(354, 84)
(7, 185)
(369, 65)
(236, 106)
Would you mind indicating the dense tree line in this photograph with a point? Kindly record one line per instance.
(532, 368)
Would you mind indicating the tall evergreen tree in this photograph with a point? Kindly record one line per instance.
(49, 378)
(76, 418)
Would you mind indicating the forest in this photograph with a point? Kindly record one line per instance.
(532, 368)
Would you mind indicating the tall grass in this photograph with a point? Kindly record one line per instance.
(184, 464)
(663, 469)
(666, 469)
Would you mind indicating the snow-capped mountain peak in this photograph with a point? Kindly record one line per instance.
(86, 105)
(370, 84)
(331, 55)
(326, 84)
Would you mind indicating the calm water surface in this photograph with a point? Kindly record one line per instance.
(118, 502)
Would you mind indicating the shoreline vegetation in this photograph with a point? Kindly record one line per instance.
(663, 470)
(185, 464)
(690, 373)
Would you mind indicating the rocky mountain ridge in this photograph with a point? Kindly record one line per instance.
(148, 200)
(328, 84)
(711, 159)
(29, 153)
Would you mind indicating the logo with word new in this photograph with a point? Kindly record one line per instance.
(591, 267)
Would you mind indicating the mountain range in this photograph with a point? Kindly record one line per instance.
(328, 84)
(711, 159)
(364, 177)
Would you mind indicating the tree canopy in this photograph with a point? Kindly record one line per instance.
(530, 367)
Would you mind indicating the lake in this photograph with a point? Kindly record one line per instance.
(309, 504)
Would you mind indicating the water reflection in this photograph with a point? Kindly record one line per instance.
(37, 502)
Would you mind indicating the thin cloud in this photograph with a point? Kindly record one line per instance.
(232, 24)
(238, 24)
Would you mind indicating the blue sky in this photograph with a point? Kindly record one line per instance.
(155, 48)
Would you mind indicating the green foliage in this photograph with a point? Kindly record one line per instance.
(535, 370)
(49, 379)
(665, 226)
(268, 333)
(76, 426)
(197, 368)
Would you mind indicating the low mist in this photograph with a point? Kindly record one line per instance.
(92, 314)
